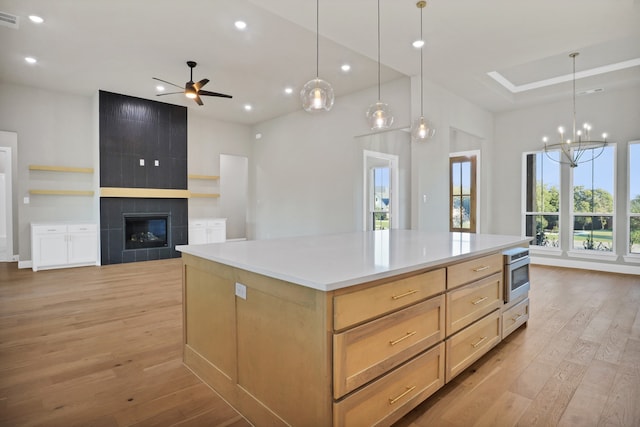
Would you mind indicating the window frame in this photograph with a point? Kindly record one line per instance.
(526, 213)
(630, 256)
(594, 253)
(473, 193)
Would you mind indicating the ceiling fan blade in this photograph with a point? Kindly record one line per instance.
(198, 100)
(221, 95)
(201, 83)
(168, 93)
(169, 83)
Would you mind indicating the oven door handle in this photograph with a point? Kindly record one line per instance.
(519, 263)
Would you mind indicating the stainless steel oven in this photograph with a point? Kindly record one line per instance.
(516, 273)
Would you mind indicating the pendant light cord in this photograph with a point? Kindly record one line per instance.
(378, 50)
(317, 39)
(421, 61)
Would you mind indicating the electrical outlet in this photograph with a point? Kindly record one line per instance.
(141, 162)
(241, 290)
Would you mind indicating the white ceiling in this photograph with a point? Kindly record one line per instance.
(119, 45)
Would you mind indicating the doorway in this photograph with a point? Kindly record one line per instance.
(8, 142)
(380, 204)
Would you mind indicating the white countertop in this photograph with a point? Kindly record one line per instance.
(335, 261)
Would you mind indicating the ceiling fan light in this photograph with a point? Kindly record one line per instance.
(317, 95)
(379, 116)
(190, 92)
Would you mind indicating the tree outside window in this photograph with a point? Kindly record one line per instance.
(542, 204)
(593, 203)
(462, 194)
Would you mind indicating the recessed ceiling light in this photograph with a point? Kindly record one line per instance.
(160, 88)
(241, 25)
(418, 44)
(36, 19)
(288, 90)
(345, 67)
(30, 60)
(248, 107)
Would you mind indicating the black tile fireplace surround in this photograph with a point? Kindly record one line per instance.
(112, 228)
(143, 144)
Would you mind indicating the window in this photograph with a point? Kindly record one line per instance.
(462, 193)
(380, 202)
(634, 198)
(542, 198)
(593, 203)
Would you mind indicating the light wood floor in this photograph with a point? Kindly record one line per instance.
(101, 346)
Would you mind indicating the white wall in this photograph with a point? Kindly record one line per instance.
(430, 160)
(307, 167)
(516, 132)
(207, 140)
(53, 129)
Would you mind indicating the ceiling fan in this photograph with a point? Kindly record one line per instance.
(193, 90)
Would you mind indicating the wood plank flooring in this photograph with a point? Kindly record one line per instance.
(102, 346)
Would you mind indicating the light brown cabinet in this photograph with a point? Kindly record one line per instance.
(284, 354)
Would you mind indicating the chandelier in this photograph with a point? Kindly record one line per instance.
(577, 147)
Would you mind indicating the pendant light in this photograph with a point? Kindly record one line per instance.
(579, 147)
(421, 130)
(317, 94)
(379, 114)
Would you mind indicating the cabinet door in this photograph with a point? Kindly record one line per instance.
(50, 250)
(197, 235)
(216, 233)
(83, 244)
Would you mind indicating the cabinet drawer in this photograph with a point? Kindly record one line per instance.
(83, 228)
(368, 351)
(468, 271)
(359, 306)
(471, 302)
(48, 229)
(515, 317)
(389, 398)
(471, 343)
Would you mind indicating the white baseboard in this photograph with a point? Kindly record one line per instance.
(586, 265)
(25, 264)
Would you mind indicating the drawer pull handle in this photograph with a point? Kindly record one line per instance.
(393, 400)
(409, 334)
(479, 300)
(515, 319)
(479, 269)
(406, 294)
(479, 342)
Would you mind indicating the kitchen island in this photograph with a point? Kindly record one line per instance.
(346, 329)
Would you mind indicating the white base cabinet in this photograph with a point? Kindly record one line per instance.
(60, 245)
(207, 230)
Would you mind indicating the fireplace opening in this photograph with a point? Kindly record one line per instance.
(143, 231)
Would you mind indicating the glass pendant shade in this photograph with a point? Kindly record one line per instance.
(379, 116)
(422, 130)
(317, 95)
